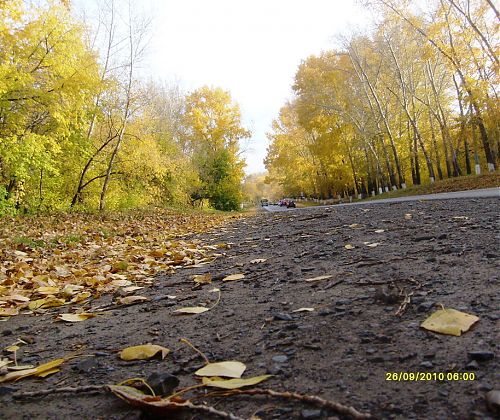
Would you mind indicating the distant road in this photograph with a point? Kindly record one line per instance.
(482, 193)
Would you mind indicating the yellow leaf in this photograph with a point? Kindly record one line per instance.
(52, 302)
(303, 310)
(355, 225)
(75, 317)
(128, 300)
(20, 367)
(231, 369)
(42, 370)
(9, 311)
(47, 373)
(328, 276)
(81, 297)
(4, 362)
(349, 246)
(449, 321)
(132, 289)
(202, 278)
(12, 348)
(145, 351)
(47, 290)
(191, 310)
(234, 383)
(234, 277)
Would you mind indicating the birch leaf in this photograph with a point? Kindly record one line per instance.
(128, 300)
(449, 321)
(9, 311)
(145, 351)
(328, 276)
(231, 369)
(202, 278)
(234, 277)
(234, 383)
(191, 310)
(75, 317)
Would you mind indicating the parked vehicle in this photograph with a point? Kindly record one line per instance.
(264, 202)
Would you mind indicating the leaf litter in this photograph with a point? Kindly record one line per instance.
(48, 262)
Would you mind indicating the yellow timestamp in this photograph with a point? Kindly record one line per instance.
(429, 376)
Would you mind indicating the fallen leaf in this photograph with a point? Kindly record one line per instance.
(20, 367)
(408, 216)
(5, 362)
(373, 245)
(9, 311)
(328, 276)
(231, 369)
(42, 370)
(80, 297)
(192, 310)
(355, 225)
(132, 288)
(234, 277)
(258, 260)
(234, 383)
(379, 231)
(12, 348)
(145, 351)
(449, 321)
(349, 246)
(128, 300)
(303, 310)
(202, 278)
(75, 317)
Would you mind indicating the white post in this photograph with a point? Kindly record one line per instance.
(478, 169)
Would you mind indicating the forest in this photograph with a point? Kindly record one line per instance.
(412, 102)
(80, 129)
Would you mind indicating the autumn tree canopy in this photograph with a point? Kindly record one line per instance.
(414, 101)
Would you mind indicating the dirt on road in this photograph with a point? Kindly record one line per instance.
(368, 276)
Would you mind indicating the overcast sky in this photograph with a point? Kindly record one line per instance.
(250, 47)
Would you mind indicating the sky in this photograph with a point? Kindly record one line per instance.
(251, 48)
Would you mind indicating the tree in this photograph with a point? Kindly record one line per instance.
(212, 131)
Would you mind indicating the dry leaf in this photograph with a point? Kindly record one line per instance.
(80, 297)
(303, 310)
(449, 321)
(328, 276)
(75, 317)
(145, 351)
(231, 369)
(373, 245)
(408, 216)
(379, 231)
(132, 288)
(355, 225)
(234, 383)
(9, 311)
(191, 310)
(234, 277)
(128, 300)
(349, 246)
(202, 278)
(42, 371)
(258, 260)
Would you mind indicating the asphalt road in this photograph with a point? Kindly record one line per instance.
(482, 193)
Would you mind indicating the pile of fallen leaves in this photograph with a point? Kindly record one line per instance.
(51, 261)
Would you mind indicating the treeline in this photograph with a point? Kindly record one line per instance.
(415, 101)
(80, 129)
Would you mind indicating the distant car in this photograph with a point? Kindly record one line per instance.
(287, 202)
(264, 202)
(291, 204)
